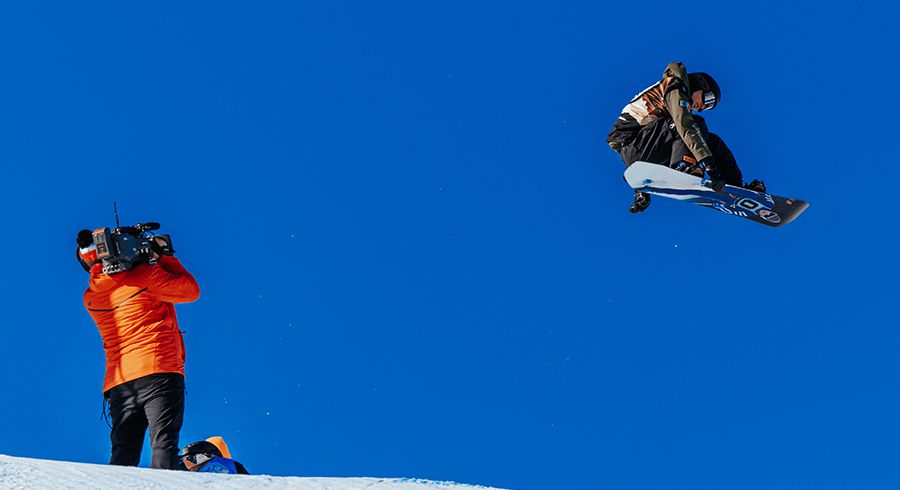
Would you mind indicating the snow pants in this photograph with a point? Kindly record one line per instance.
(155, 401)
(659, 142)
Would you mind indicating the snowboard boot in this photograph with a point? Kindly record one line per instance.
(641, 201)
(757, 185)
(694, 170)
(687, 168)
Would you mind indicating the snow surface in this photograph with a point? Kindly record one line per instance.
(25, 473)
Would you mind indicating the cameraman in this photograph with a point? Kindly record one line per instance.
(135, 313)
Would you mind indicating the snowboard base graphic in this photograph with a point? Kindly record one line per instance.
(659, 180)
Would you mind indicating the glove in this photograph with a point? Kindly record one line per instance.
(717, 182)
(641, 201)
(164, 248)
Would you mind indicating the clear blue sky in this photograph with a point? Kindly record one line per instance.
(413, 245)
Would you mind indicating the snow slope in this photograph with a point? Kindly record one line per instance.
(25, 473)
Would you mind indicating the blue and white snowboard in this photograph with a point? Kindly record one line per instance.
(763, 208)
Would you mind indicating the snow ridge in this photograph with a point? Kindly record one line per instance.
(26, 473)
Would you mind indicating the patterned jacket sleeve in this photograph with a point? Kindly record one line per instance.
(678, 103)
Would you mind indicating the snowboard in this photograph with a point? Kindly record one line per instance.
(659, 180)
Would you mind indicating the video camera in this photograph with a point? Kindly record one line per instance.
(121, 248)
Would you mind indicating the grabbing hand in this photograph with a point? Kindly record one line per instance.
(717, 182)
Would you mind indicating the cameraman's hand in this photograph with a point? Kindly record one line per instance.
(160, 246)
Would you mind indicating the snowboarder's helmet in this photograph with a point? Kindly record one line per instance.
(711, 92)
(87, 251)
(196, 455)
(200, 447)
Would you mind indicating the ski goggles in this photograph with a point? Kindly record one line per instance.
(193, 462)
(709, 100)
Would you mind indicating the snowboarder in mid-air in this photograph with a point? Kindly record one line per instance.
(657, 126)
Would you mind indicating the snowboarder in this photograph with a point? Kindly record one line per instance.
(210, 456)
(657, 126)
(144, 384)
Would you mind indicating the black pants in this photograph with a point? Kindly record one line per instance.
(155, 401)
(659, 142)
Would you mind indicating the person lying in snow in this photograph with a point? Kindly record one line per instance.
(210, 456)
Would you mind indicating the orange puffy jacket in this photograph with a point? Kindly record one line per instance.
(135, 313)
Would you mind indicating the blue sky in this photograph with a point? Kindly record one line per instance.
(413, 246)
